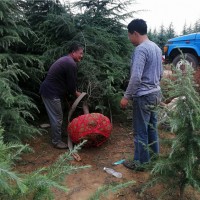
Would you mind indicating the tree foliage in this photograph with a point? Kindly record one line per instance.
(17, 66)
(37, 184)
(191, 28)
(16, 108)
(107, 49)
(179, 168)
(14, 49)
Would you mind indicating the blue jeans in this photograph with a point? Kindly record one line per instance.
(55, 114)
(145, 126)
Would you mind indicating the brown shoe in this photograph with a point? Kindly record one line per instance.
(61, 145)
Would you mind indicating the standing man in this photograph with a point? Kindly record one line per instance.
(59, 83)
(144, 89)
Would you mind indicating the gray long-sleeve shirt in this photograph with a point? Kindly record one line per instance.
(146, 70)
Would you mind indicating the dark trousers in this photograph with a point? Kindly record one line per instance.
(55, 114)
(145, 126)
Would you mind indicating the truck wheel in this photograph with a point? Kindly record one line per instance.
(190, 59)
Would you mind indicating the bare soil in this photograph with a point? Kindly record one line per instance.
(84, 183)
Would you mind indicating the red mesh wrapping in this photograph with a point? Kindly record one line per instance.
(93, 127)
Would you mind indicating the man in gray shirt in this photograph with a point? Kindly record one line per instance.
(144, 90)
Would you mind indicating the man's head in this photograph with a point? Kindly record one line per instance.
(137, 31)
(76, 52)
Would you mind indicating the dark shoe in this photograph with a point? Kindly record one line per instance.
(61, 145)
(133, 165)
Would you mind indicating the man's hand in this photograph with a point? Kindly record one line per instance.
(123, 103)
(77, 94)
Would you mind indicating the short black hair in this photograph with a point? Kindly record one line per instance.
(138, 25)
(75, 47)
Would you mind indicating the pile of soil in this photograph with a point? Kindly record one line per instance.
(84, 183)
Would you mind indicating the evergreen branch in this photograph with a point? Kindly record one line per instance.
(7, 41)
(4, 172)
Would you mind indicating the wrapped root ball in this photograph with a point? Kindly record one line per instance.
(93, 127)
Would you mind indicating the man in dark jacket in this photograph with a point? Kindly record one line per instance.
(59, 83)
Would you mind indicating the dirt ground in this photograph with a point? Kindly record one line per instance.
(84, 183)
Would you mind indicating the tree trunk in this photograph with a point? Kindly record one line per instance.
(182, 189)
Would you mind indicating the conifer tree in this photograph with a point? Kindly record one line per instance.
(16, 108)
(184, 31)
(170, 32)
(107, 50)
(196, 27)
(14, 44)
(189, 29)
(162, 39)
(41, 13)
(18, 66)
(151, 35)
(37, 184)
(179, 167)
(192, 28)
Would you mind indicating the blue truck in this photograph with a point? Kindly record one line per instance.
(189, 45)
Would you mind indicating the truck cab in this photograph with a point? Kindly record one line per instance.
(187, 46)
